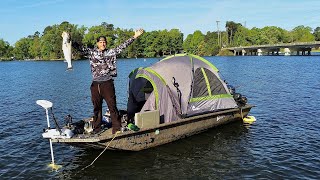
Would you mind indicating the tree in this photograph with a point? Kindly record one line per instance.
(316, 33)
(232, 28)
(35, 46)
(102, 30)
(175, 41)
(5, 49)
(51, 43)
(211, 43)
(21, 49)
(187, 42)
(302, 34)
(197, 38)
(148, 41)
(242, 37)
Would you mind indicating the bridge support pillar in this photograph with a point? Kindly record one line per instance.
(243, 52)
(286, 51)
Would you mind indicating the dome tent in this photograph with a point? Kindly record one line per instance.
(178, 86)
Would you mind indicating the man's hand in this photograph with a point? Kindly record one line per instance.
(138, 32)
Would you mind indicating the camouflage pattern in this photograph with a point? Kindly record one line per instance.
(103, 63)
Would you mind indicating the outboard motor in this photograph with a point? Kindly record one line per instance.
(240, 99)
(243, 100)
(237, 96)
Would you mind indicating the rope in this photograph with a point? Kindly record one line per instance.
(241, 113)
(115, 135)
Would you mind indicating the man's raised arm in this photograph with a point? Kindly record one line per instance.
(117, 50)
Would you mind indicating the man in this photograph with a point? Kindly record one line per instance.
(103, 68)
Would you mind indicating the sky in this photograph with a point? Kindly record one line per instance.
(20, 18)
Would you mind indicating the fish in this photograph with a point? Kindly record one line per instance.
(66, 48)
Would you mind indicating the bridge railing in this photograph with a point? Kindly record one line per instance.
(312, 43)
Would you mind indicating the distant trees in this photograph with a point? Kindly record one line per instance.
(302, 34)
(242, 36)
(47, 45)
(5, 50)
(316, 33)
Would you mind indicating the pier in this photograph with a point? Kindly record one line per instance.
(287, 49)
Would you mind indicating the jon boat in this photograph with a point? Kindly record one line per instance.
(195, 100)
(164, 133)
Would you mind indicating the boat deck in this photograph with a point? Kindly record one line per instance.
(106, 135)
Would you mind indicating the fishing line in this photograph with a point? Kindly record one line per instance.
(102, 151)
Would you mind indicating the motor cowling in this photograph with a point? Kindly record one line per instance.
(240, 99)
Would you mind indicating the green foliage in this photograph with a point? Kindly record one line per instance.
(158, 43)
(316, 34)
(194, 43)
(105, 29)
(35, 46)
(5, 50)
(211, 44)
(232, 29)
(225, 52)
(21, 49)
(302, 34)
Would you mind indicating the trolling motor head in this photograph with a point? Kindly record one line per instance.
(57, 133)
(44, 103)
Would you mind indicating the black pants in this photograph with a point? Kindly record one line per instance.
(105, 90)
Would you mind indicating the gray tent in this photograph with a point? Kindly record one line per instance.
(178, 86)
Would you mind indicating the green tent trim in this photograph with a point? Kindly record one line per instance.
(156, 74)
(207, 81)
(205, 61)
(194, 56)
(155, 89)
(174, 56)
(134, 71)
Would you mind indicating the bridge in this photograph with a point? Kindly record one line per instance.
(300, 48)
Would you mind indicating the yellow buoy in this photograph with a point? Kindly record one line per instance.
(54, 166)
(249, 119)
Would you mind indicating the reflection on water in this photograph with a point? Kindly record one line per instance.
(189, 155)
(282, 144)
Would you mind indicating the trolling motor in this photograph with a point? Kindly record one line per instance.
(58, 133)
(53, 133)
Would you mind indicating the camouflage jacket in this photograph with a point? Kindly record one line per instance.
(103, 63)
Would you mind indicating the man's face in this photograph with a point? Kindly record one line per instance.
(102, 44)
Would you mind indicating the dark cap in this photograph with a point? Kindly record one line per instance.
(101, 38)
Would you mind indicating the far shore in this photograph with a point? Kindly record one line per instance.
(219, 54)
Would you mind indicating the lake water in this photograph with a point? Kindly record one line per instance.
(284, 142)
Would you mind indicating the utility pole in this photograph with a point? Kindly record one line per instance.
(219, 38)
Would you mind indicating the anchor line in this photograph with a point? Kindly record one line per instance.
(101, 152)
